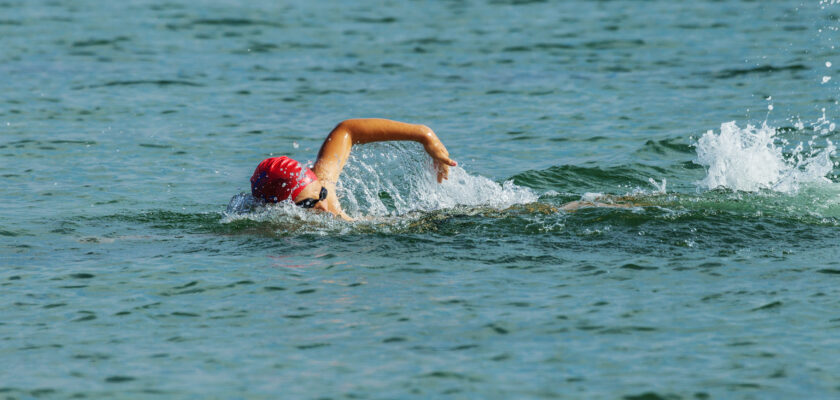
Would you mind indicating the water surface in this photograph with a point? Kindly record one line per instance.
(126, 128)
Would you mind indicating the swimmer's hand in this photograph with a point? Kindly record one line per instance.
(439, 154)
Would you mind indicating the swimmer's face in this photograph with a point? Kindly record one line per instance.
(313, 196)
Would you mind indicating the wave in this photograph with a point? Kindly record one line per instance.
(592, 45)
(761, 69)
(723, 220)
(236, 22)
(577, 179)
(152, 82)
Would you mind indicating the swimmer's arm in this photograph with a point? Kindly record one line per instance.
(336, 148)
(331, 203)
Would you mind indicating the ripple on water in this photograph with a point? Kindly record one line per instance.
(123, 276)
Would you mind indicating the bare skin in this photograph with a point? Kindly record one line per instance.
(613, 202)
(576, 205)
(336, 150)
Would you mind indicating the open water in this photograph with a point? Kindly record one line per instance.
(127, 127)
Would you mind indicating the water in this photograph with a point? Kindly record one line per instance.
(127, 127)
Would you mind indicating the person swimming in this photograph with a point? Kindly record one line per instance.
(279, 179)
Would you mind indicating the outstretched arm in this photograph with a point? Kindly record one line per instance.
(336, 148)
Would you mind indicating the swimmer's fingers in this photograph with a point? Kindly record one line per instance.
(438, 152)
(447, 161)
(440, 155)
(442, 159)
(442, 171)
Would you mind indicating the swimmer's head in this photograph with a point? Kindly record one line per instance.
(280, 178)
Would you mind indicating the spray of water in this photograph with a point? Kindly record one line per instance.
(397, 178)
(393, 179)
(753, 158)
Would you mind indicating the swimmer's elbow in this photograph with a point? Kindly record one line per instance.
(342, 126)
(343, 129)
(347, 126)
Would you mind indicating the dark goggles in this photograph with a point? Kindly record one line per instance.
(309, 203)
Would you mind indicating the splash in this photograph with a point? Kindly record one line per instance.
(396, 178)
(279, 219)
(392, 179)
(752, 158)
(660, 187)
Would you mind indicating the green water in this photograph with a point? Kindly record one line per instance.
(126, 128)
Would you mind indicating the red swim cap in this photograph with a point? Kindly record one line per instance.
(280, 178)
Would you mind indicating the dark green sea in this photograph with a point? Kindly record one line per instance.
(129, 268)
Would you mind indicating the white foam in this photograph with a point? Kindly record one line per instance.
(752, 158)
(387, 179)
(397, 178)
(283, 218)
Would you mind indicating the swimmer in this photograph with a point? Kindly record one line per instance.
(279, 179)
